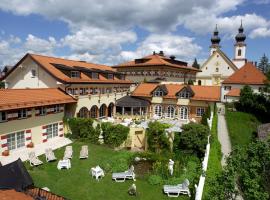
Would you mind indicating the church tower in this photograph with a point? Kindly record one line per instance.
(240, 48)
(215, 39)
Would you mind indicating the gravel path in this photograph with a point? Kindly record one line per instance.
(223, 134)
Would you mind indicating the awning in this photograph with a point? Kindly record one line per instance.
(128, 101)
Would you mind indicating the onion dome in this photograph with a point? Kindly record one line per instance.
(240, 37)
(215, 39)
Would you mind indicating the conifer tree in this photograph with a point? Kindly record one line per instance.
(196, 64)
(264, 65)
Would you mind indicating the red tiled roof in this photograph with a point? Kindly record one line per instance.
(248, 74)
(207, 93)
(25, 98)
(47, 63)
(157, 60)
(235, 92)
(13, 195)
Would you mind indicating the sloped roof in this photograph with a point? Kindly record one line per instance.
(13, 195)
(247, 75)
(224, 56)
(157, 60)
(24, 98)
(48, 64)
(235, 92)
(129, 101)
(207, 93)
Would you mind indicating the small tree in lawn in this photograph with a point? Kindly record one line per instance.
(196, 64)
(194, 137)
(264, 65)
(156, 137)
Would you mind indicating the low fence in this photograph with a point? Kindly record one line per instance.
(200, 186)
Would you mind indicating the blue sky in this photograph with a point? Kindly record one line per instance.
(111, 32)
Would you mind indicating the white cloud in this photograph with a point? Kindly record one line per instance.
(182, 47)
(260, 32)
(97, 41)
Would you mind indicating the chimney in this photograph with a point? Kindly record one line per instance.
(255, 64)
(154, 53)
(161, 53)
(172, 57)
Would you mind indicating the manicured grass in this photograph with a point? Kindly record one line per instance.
(241, 127)
(77, 184)
(214, 162)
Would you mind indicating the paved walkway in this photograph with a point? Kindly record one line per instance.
(223, 134)
(39, 149)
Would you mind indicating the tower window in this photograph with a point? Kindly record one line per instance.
(239, 52)
(217, 69)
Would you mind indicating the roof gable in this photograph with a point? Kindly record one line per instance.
(225, 58)
(56, 67)
(248, 74)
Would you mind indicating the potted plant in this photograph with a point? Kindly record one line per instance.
(30, 145)
(5, 153)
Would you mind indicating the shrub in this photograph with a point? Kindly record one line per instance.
(156, 138)
(194, 137)
(114, 135)
(204, 119)
(82, 128)
(155, 180)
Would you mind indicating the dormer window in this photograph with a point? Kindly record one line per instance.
(110, 76)
(94, 75)
(158, 93)
(75, 74)
(185, 94)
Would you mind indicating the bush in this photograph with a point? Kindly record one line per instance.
(155, 180)
(194, 137)
(114, 135)
(204, 119)
(82, 128)
(156, 137)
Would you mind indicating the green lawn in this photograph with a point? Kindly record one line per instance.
(77, 184)
(241, 127)
(214, 162)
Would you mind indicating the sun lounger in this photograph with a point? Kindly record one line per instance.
(175, 190)
(49, 155)
(68, 152)
(84, 152)
(33, 159)
(122, 176)
(64, 164)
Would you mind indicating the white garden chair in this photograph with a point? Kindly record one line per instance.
(122, 176)
(175, 190)
(84, 152)
(49, 155)
(68, 152)
(33, 159)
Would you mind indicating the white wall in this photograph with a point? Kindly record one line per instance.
(208, 74)
(223, 92)
(21, 77)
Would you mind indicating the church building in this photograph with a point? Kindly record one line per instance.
(219, 66)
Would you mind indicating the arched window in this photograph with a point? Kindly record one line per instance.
(183, 112)
(102, 111)
(199, 82)
(83, 113)
(158, 110)
(170, 111)
(239, 52)
(94, 112)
